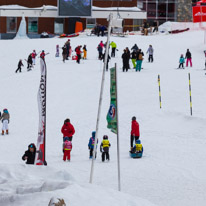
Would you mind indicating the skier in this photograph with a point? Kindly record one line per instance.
(101, 44)
(151, 52)
(114, 47)
(42, 55)
(78, 53)
(30, 154)
(181, 61)
(85, 52)
(188, 56)
(134, 48)
(5, 120)
(135, 133)
(33, 55)
(140, 55)
(57, 51)
(64, 53)
(91, 145)
(67, 150)
(29, 62)
(125, 58)
(100, 50)
(67, 130)
(137, 150)
(108, 58)
(20, 64)
(134, 58)
(104, 148)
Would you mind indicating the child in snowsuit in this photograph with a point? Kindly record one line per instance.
(33, 55)
(151, 52)
(134, 131)
(67, 150)
(134, 57)
(42, 55)
(78, 53)
(85, 52)
(5, 120)
(91, 145)
(30, 154)
(20, 64)
(181, 61)
(104, 148)
(100, 50)
(138, 148)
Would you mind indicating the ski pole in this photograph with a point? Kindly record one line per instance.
(159, 92)
(190, 94)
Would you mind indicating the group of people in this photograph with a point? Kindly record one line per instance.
(31, 60)
(99, 30)
(68, 131)
(188, 56)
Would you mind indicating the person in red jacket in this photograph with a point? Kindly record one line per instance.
(78, 53)
(42, 55)
(134, 131)
(67, 130)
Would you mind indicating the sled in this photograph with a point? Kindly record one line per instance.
(135, 155)
(74, 57)
(68, 35)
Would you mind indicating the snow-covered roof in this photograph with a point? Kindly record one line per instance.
(49, 7)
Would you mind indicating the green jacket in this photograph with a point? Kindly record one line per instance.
(113, 45)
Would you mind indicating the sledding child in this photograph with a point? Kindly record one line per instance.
(5, 120)
(91, 145)
(67, 149)
(137, 150)
(104, 148)
(181, 61)
(30, 154)
(20, 64)
(34, 54)
(85, 52)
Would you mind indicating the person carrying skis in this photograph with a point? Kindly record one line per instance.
(5, 120)
(33, 55)
(29, 62)
(20, 64)
(135, 133)
(91, 145)
(30, 154)
(151, 52)
(137, 149)
(188, 56)
(64, 53)
(104, 148)
(114, 47)
(181, 61)
(85, 52)
(67, 150)
(125, 59)
(42, 55)
(67, 130)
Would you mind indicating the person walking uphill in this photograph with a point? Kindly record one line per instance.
(20, 64)
(135, 133)
(67, 130)
(151, 52)
(30, 154)
(114, 47)
(188, 56)
(5, 120)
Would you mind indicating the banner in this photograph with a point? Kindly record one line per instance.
(199, 13)
(112, 113)
(40, 155)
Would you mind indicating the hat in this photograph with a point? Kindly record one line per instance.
(105, 137)
(42, 50)
(133, 118)
(32, 145)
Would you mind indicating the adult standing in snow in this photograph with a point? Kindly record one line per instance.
(134, 48)
(135, 133)
(114, 47)
(140, 55)
(34, 57)
(100, 50)
(20, 64)
(151, 52)
(67, 48)
(64, 53)
(67, 130)
(125, 59)
(29, 62)
(30, 154)
(78, 53)
(42, 55)
(5, 120)
(134, 58)
(188, 56)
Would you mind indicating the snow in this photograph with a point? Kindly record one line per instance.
(21, 34)
(172, 170)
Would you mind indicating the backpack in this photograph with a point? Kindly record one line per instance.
(140, 56)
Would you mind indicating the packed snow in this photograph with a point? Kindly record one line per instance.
(172, 169)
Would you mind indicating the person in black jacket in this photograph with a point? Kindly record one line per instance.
(29, 62)
(30, 154)
(125, 58)
(108, 58)
(188, 56)
(20, 64)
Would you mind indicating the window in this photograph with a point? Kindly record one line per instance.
(151, 10)
(32, 25)
(11, 24)
(162, 10)
(59, 26)
(171, 10)
(91, 23)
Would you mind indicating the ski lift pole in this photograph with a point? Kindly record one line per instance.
(100, 99)
(159, 91)
(190, 94)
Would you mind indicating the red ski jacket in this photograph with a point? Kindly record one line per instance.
(78, 51)
(68, 130)
(135, 128)
(42, 55)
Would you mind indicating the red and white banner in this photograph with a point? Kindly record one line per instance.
(199, 13)
(40, 155)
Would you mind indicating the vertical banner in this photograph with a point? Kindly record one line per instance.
(41, 98)
(112, 113)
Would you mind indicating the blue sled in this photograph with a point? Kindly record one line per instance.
(135, 155)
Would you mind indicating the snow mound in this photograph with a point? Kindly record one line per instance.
(21, 34)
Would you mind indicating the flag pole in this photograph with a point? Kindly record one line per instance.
(118, 150)
(100, 99)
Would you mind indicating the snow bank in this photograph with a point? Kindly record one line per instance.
(21, 34)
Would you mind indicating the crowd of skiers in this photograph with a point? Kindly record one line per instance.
(68, 131)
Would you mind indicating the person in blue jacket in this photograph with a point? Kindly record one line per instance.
(91, 145)
(137, 149)
(181, 61)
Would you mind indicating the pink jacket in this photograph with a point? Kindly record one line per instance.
(67, 145)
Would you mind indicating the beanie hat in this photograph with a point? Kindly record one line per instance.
(133, 118)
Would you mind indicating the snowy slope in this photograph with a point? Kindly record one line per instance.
(172, 170)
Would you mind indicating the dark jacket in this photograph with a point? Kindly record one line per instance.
(20, 64)
(134, 55)
(29, 59)
(30, 156)
(125, 58)
(135, 47)
(108, 58)
(188, 55)
(64, 50)
(99, 48)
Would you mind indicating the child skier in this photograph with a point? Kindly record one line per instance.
(30, 154)
(91, 145)
(20, 64)
(104, 148)
(137, 150)
(34, 54)
(67, 149)
(5, 120)
(85, 52)
(181, 61)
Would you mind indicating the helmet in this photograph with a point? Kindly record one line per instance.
(32, 145)
(133, 118)
(105, 137)
(138, 141)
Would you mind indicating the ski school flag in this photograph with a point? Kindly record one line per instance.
(112, 113)
(40, 154)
